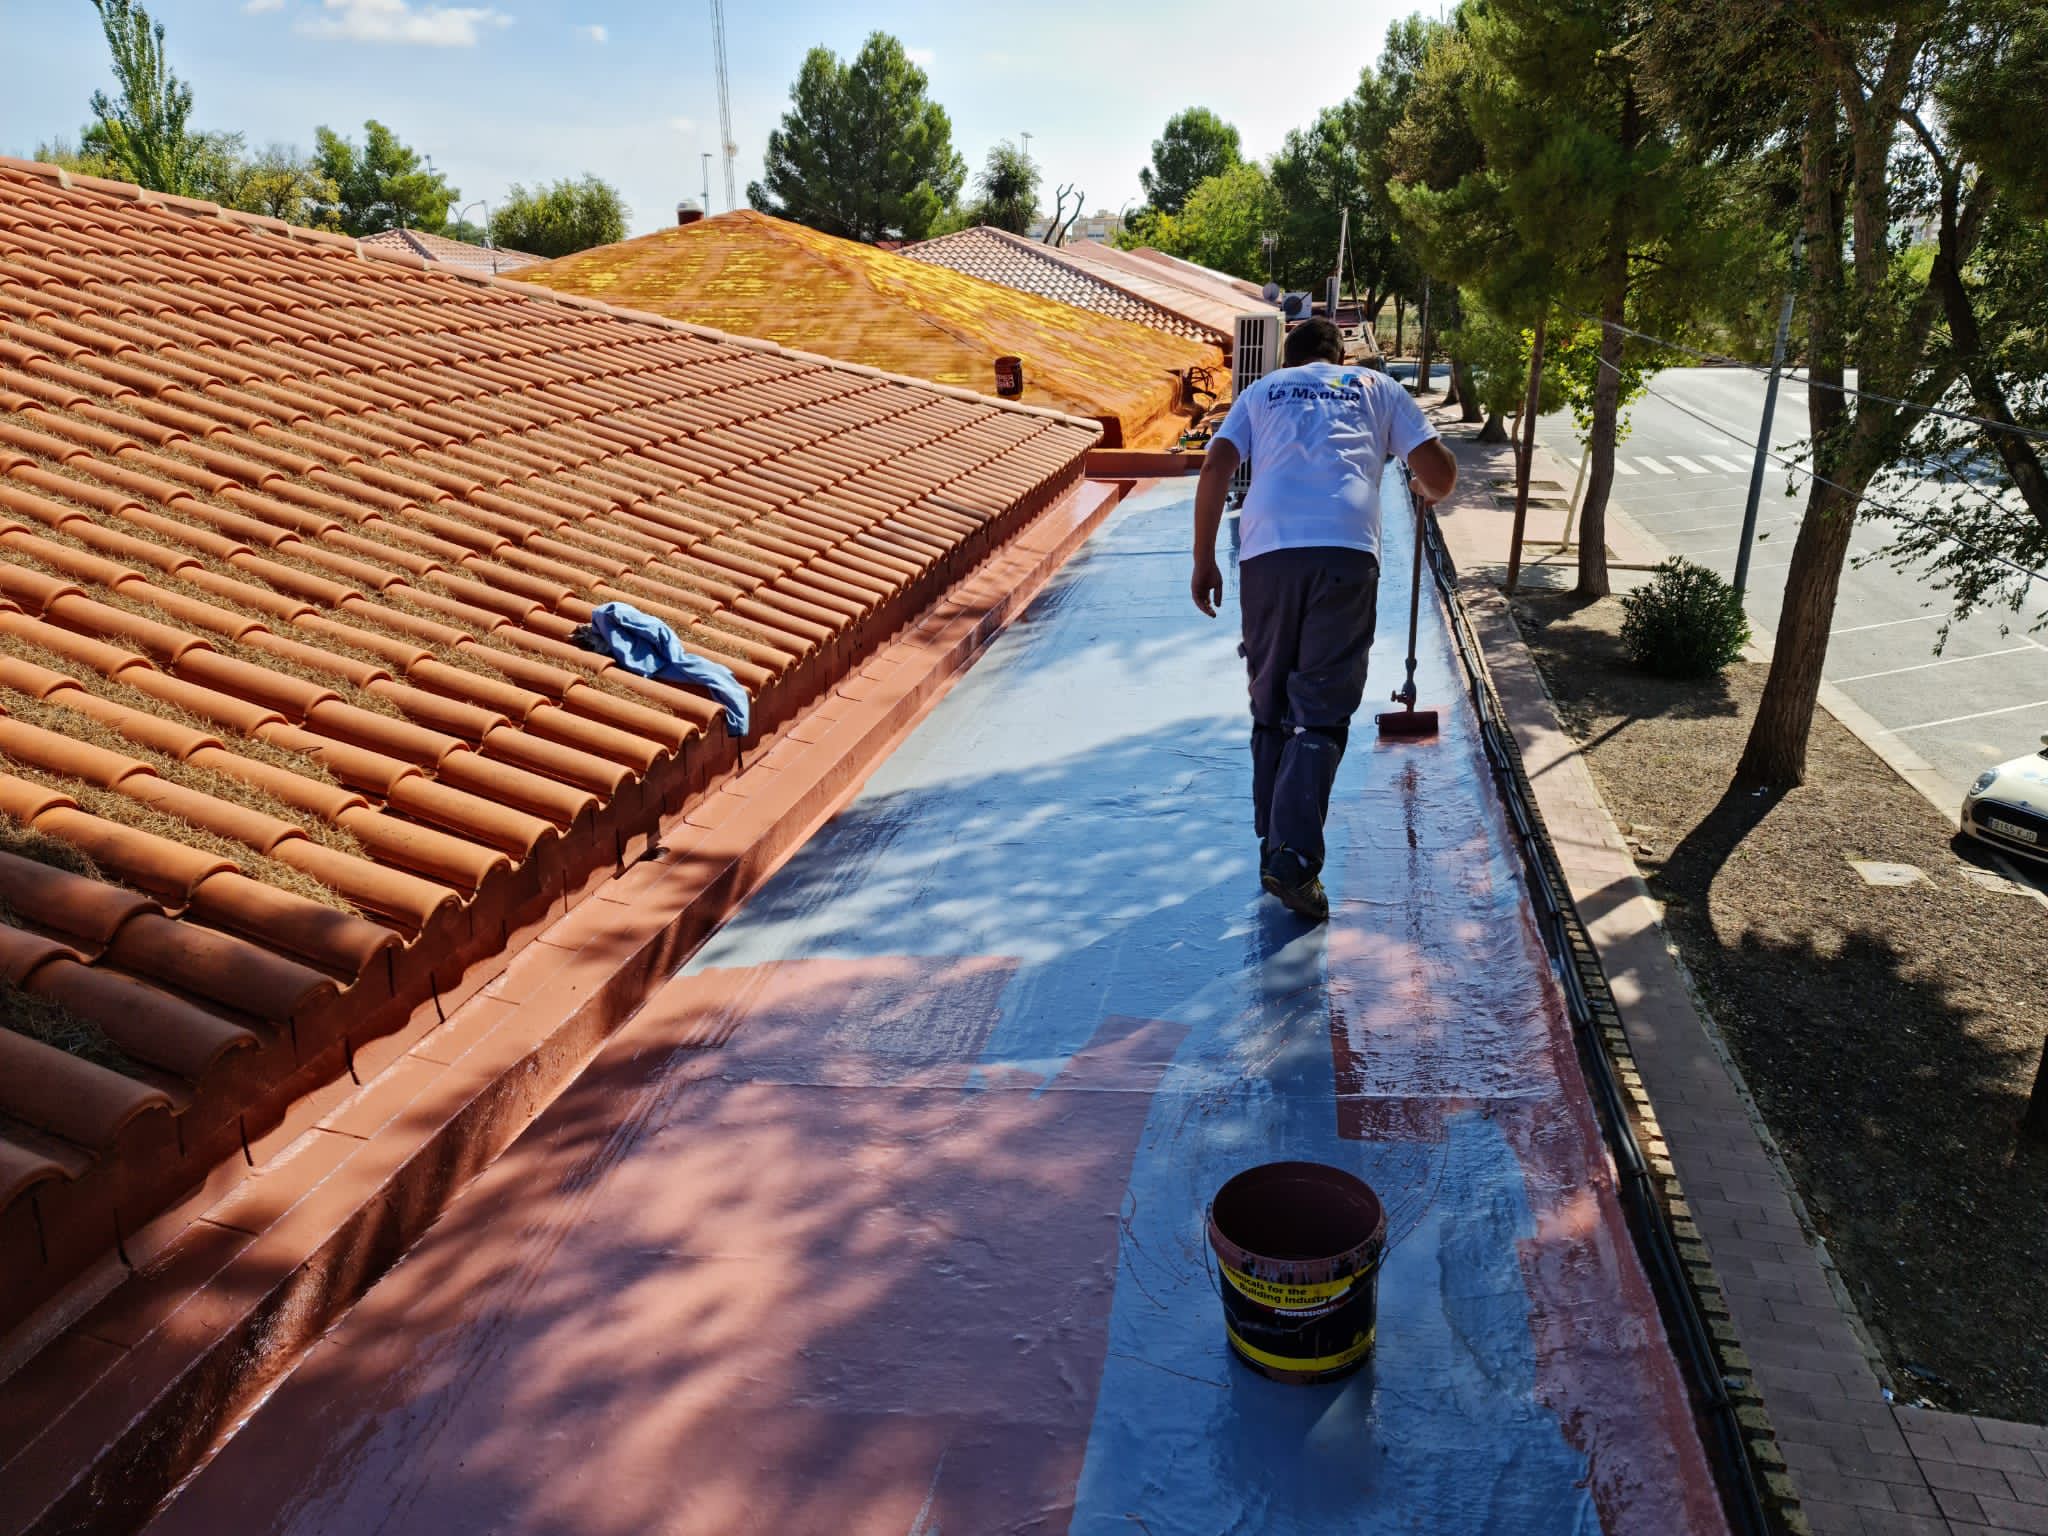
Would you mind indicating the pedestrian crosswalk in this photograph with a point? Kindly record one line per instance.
(1679, 466)
(1676, 466)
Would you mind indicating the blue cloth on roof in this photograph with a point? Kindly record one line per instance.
(645, 646)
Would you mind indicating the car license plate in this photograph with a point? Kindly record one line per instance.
(2009, 829)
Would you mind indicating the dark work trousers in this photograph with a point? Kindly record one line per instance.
(1308, 622)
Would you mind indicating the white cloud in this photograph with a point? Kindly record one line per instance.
(597, 34)
(923, 58)
(682, 125)
(395, 21)
(258, 7)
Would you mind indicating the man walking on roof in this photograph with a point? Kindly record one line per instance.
(1318, 436)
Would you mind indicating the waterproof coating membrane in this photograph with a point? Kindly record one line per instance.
(888, 1214)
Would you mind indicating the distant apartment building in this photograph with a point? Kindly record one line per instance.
(1099, 225)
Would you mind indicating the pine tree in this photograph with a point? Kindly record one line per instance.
(863, 151)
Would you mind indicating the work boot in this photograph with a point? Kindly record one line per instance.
(1286, 875)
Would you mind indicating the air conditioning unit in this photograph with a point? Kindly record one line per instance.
(1255, 348)
(1254, 353)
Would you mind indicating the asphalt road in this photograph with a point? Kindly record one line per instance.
(1982, 700)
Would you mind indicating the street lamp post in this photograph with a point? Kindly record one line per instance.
(463, 212)
(1763, 436)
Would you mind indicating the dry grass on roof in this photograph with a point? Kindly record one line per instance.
(125, 810)
(118, 692)
(142, 608)
(63, 721)
(27, 843)
(50, 1022)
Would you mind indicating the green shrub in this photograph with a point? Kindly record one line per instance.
(1684, 622)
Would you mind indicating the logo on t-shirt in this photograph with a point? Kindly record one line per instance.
(1346, 387)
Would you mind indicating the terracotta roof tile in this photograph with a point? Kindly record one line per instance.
(298, 538)
(62, 1096)
(459, 254)
(1054, 272)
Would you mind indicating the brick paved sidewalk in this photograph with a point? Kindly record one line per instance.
(1858, 1463)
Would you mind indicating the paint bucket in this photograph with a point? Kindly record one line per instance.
(1300, 1247)
(1010, 377)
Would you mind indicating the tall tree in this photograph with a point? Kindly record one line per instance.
(1991, 92)
(1589, 178)
(1196, 145)
(561, 218)
(1006, 191)
(863, 151)
(1222, 225)
(1885, 106)
(1316, 177)
(1383, 263)
(1429, 168)
(1495, 355)
(281, 182)
(380, 185)
(144, 133)
(1583, 203)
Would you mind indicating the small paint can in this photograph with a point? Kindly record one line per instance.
(1009, 377)
(1299, 1245)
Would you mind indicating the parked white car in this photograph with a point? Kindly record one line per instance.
(2008, 805)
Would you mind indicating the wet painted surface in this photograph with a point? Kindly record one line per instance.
(886, 1215)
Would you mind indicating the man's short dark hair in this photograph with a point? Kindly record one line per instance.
(1313, 341)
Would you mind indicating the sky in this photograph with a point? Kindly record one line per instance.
(533, 90)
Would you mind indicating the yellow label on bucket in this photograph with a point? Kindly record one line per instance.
(1287, 1298)
(1349, 1355)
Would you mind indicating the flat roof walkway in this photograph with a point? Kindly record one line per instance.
(886, 1214)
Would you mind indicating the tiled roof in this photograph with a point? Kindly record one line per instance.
(293, 537)
(454, 253)
(997, 256)
(759, 276)
(1183, 288)
(1185, 268)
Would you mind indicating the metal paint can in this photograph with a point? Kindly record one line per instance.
(1009, 377)
(1300, 1246)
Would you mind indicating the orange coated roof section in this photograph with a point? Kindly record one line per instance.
(1031, 266)
(293, 735)
(746, 272)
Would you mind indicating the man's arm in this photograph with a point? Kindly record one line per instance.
(1219, 463)
(1432, 470)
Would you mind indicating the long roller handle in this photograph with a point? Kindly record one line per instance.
(1405, 694)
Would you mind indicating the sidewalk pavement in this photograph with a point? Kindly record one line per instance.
(1860, 1464)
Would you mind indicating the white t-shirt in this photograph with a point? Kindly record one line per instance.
(1318, 437)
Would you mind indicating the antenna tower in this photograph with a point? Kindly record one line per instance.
(724, 100)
